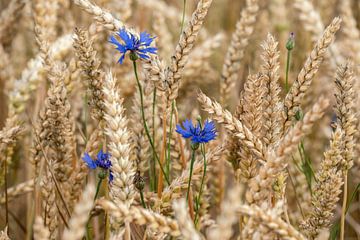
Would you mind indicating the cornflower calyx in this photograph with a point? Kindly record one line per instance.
(290, 44)
(198, 134)
(138, 47)
(139, 181)
(102, 161)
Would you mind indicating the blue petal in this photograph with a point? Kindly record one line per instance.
(111, 176)
(185, 131)
(196, 139)
(125, 37)
(188, 125)
(89, 161)
(152, 50)
(145, 39)
(121, 59)
(181, 131)
(119, 46)
(148, 50)
(100, 154)
(143, 56)
(209, 126)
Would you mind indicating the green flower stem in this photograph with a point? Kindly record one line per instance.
(88, 235)
(287, 70)
(98, 188)
(198, 199)
(142, 198)
(145, 124)
(6, 195)
(152, 168)
(191, 170)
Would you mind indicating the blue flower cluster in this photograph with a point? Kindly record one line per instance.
(197, 133)
(140, 47)
(102, 161)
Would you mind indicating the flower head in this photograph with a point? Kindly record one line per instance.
(197, 133)
(139, 47)
(290, 44)
(102, 161)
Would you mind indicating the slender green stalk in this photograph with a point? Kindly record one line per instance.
(145, 124)
(98, 188)
(168, 155)
(88, 235)
(290, 44)
(183, 17)
(142, 199)
(198, 199)
(287, 70)
(152, 169)
(6, 196)
(191, 170)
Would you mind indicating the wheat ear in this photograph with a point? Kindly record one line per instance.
(233, 125)
(185, 45)
(235, 53)
(302, 83)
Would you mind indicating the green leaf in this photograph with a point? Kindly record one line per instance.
(306, 165)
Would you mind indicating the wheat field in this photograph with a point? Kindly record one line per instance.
(179, 119)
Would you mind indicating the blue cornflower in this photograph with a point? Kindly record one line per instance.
(197, 133)
(102, 161)
(138, 47)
